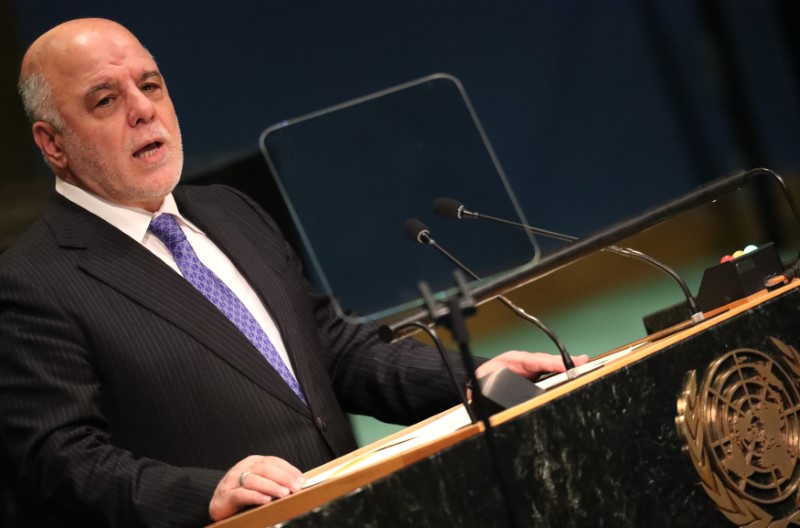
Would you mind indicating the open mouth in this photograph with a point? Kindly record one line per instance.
(148, 150)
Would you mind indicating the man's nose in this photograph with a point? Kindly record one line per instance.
(140, 109)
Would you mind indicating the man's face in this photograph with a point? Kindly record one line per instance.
(121, 139)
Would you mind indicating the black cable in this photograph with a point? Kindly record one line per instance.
(462, 394)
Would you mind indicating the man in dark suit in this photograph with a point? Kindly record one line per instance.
(131, 394)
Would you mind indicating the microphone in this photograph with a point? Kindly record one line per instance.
(604, 238)
(453, 209)
(419, 232)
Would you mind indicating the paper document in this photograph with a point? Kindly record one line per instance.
(443, 425)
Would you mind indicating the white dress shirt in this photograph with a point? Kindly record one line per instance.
(134, 222)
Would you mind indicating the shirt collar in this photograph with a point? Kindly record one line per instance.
(133, 221)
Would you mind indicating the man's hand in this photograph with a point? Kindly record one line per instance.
(527, 364)
(253, 481)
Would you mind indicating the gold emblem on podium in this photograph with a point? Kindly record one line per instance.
(743, 434)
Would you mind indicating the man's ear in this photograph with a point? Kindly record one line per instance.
(49, 141)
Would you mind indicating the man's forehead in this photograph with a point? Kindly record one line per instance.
(100, 65)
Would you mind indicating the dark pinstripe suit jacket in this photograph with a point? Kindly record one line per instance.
(124, 394)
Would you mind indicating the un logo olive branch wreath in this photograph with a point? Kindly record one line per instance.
(732, 429)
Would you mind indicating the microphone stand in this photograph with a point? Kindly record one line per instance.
(569, 366)
(430, 303)
(453, 317)
(418, 232)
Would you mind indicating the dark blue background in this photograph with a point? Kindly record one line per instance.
(597, 110)
(573, 94)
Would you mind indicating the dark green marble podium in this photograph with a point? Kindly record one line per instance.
(602, 450)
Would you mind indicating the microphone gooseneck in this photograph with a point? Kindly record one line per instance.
(417, 231)
(603, 239)
(453, 209)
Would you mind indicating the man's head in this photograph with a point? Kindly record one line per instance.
(101, 112)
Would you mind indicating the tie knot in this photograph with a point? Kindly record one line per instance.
(165, 227)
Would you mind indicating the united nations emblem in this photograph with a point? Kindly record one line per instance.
(743, 434)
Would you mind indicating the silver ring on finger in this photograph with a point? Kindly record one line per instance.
(242, 477)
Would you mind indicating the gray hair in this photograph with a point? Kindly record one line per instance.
(39, 101)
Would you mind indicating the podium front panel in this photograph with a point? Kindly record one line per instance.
(608, 452)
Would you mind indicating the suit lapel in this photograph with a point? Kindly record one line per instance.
(123, 264)
(262, 260)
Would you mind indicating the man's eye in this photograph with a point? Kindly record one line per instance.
(150, 87)
(105, 101)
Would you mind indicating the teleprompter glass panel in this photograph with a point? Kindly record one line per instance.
(354, 173)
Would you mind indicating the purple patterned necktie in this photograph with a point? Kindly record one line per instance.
(166, 229)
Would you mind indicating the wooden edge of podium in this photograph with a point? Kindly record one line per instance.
(643, 348)
(306, 499)
(309, 498)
